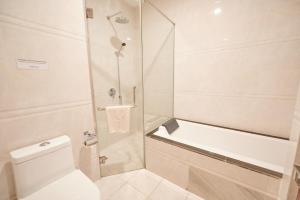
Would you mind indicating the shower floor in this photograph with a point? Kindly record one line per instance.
(123, 155)
(141, 185)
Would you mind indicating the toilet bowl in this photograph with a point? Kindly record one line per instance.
(46, 171)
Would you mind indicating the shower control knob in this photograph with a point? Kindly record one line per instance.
(112, 92)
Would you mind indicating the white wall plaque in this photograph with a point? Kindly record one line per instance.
(32, 64)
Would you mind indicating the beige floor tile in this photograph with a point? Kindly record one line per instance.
(127, 192)
(145, 181)
(110, 185)
(168, 191)
(128, 175)
(141, 185)
(192, 196)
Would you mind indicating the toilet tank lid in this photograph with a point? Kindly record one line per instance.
(39, 149)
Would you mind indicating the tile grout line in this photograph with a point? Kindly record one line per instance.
(109, 197)
(137, 190)
(127, 182)
(187, 193)
(239, 46)
(117, 190)
(31, 25)
(147, 196)
(155, 188)
(158, 184)
(186, 198)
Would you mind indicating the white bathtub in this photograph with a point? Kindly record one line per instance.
(262, 151)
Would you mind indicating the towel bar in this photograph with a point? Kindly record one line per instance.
(103, 108)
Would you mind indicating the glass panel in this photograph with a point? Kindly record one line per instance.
(158, 64)
(114, 44)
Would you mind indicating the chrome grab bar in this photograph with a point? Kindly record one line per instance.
(134, 99)
(103, 108)
(100, 108)
(134, 89)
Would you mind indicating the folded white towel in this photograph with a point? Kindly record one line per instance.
(118, 118)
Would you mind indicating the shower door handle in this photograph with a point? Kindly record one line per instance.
(134, 90)
(297, 175)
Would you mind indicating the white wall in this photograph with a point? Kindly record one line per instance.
(289, 185)
(40, 104)
(236, 62)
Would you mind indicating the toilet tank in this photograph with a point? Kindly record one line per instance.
(37, 165)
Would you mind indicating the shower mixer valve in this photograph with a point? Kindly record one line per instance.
(112, 92)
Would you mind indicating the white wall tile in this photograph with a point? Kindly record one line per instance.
(66, 79)
(236, 62)
(39, 104)
(65, 15)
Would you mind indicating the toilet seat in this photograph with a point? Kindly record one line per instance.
(73, 186)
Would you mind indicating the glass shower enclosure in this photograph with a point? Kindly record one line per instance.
(131, 68)
(158, 36)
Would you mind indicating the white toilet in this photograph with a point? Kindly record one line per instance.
(46, 171)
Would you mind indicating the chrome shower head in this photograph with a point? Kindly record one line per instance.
(120, 19)
(123, 44)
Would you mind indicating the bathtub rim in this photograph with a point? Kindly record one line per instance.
(217, 156)
(235, 129)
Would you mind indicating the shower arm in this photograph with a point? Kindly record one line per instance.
(113, 15)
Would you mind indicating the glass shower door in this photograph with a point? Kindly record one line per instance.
(114, 47)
